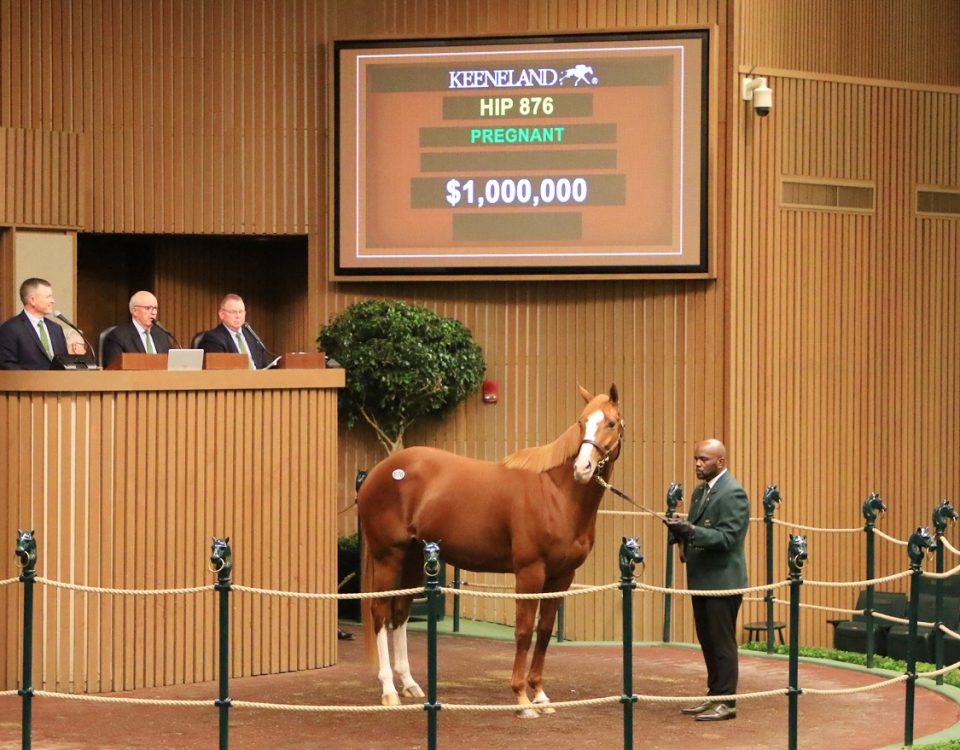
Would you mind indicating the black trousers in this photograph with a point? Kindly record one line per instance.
(715, 618)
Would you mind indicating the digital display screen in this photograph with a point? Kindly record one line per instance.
(565, 156)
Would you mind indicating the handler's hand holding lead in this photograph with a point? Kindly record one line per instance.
(679, 527)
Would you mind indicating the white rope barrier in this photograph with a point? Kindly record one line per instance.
(791, 525)
(949, 547)
(121, 592)
(8, 581)
(946, 574)
(857, 584)
(544, 595)
(889, 538)
(134, 701)
(306, 595)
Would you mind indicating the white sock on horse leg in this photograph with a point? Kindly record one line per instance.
(385, 674)
(401, 663)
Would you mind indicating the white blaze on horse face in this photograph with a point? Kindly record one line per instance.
(584, 466)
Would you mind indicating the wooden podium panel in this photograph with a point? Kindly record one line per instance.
(302, 361)
(225, 361)
(125, 477)
(138, 361)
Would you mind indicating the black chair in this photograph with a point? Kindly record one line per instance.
(898, 639)
(103, 335)
(851, 635)
(197, 338)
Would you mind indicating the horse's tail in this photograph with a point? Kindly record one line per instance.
(366, 605)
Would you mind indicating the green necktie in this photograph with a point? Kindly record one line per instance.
(151, 349)
(242, 346)
(44, 339)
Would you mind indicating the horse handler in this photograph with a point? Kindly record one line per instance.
(711, 540)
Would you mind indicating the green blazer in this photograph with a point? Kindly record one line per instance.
(715, 558)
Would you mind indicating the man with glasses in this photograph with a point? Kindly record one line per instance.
(141, 334)
(233, 336)
(29, 341)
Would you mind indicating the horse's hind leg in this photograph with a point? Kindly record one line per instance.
(411, 576)
(384, 578)
(401, 660)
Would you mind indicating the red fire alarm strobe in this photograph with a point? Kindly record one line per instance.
(490, 391)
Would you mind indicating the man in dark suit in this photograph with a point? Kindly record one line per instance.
(712, 536)
(140, 333)
(28, 341)
(233, 336)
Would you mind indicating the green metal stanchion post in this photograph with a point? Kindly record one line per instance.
(771, 497)
(796, 557)
(918, 545)
(26, 552)
(630, 555)
(221, 560)
(431, 568)
(674, 498)
(942, 514)
(871, 506)
(560, 622)
(456, 600)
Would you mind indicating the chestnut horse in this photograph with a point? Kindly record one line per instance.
(533, 515)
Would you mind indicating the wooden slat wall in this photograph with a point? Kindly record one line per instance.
(125, 490)
(897, 40)
(42, 177)
(210, 117)
(842, 324)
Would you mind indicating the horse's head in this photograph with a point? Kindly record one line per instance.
(943, 513)
(601, 434)
(797, 553)
(630, 555)
(26, 549)
(873, 505)
(919, 543)
(221, 559)
(674, 496)
(771, 498)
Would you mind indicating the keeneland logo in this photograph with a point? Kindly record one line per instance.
(512, 78)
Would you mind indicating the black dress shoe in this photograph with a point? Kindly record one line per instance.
(719, 712)
(343, 635)
(698, 709)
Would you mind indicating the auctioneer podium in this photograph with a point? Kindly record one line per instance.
(125, 476)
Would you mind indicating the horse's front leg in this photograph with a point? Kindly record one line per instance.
(526, 612)
(548, 615)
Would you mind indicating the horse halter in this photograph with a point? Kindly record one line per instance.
(605, 452)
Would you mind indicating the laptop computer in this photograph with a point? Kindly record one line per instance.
(185, 359)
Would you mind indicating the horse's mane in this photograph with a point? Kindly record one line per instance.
(545, 457)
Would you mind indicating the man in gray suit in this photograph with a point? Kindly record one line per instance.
(712, 536)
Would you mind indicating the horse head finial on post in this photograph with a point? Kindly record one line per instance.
(771, 499)
(674, 497)
(942, 514)
(918, 545)
(630, 556)
(796, 555)
(872, 506)
(431, 561)
(26, 551)
(221, 560)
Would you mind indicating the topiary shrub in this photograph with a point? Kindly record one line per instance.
(402, 362)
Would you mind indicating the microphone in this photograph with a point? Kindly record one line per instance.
(173, 338)
(248, 329)
(63, 318)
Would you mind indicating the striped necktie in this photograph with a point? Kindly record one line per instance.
(148, 341)
(45, 339)
(242, 346)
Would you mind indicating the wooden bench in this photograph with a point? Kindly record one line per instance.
(756, 631)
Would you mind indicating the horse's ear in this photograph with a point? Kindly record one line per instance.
(585, 394)
(614, 396)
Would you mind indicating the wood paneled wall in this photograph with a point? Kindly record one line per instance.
(821, 353)
(125, 477)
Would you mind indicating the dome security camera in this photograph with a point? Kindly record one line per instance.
(757, 91)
